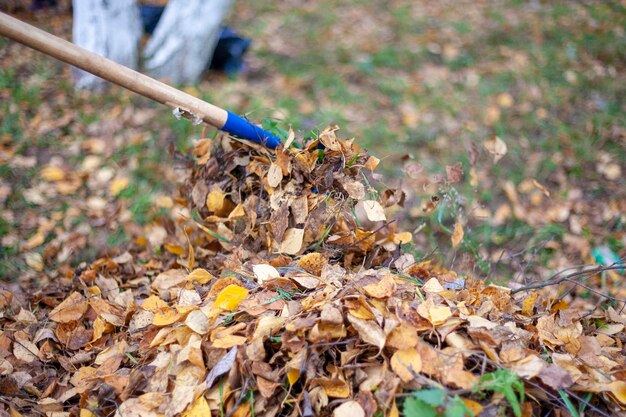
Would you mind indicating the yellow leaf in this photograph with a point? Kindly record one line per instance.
(402, 337)
(229, 341)
(164, 201)
(36, 240)
(529, 304)
(406, 364)
(432, 285)
(334, 387)
(118, 185)
(439, 314)
(473, 406)
(313, 263)
(436, 314)
(99, 326)
(243, 410)
(371, 163)
(174, 249)
(230, 297)
(166, 317)
(457, 235)
(154, 304)
(237, 212)
(14, 413)
(404, 237)
(215, 200)
(618, 389)
(86, 413)
(199, 276)
(52, 173)
(293, 375)
(394, 410)
(199, 408)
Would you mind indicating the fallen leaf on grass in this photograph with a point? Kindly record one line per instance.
(52, 173)
(457, 234)
(118, 185)
(496, 147)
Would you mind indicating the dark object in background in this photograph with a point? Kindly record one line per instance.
(150, 16)
(229, 51)
(42, 4)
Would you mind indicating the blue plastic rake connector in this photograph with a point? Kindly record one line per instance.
(242, 128)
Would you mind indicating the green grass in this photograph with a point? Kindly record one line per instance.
(357, 67)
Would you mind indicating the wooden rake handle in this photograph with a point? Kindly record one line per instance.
(132, 80)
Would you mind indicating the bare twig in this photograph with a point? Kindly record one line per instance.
(567, 278)
(373, 232)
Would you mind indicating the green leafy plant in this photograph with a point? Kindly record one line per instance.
(506, 383)
(273, 126)
(435, 403)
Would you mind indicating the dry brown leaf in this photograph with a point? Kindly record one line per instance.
(263, 272)
(329, 139)
(290, 138)
(333, 387)
(72, 308)
(349, 409)
(383, 288)
(402, 337)
(198, 322)
(274, 176)
(373, 210)
(313, 263)
(454, 172)
(432, 286)
(369, 331)
(292, 241)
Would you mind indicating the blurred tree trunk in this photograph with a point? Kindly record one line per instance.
(111, 28)
(183, 42)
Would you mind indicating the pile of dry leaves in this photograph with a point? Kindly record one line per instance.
(282, 289)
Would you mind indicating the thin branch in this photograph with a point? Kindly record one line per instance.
(566, 278)
(373, 233)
